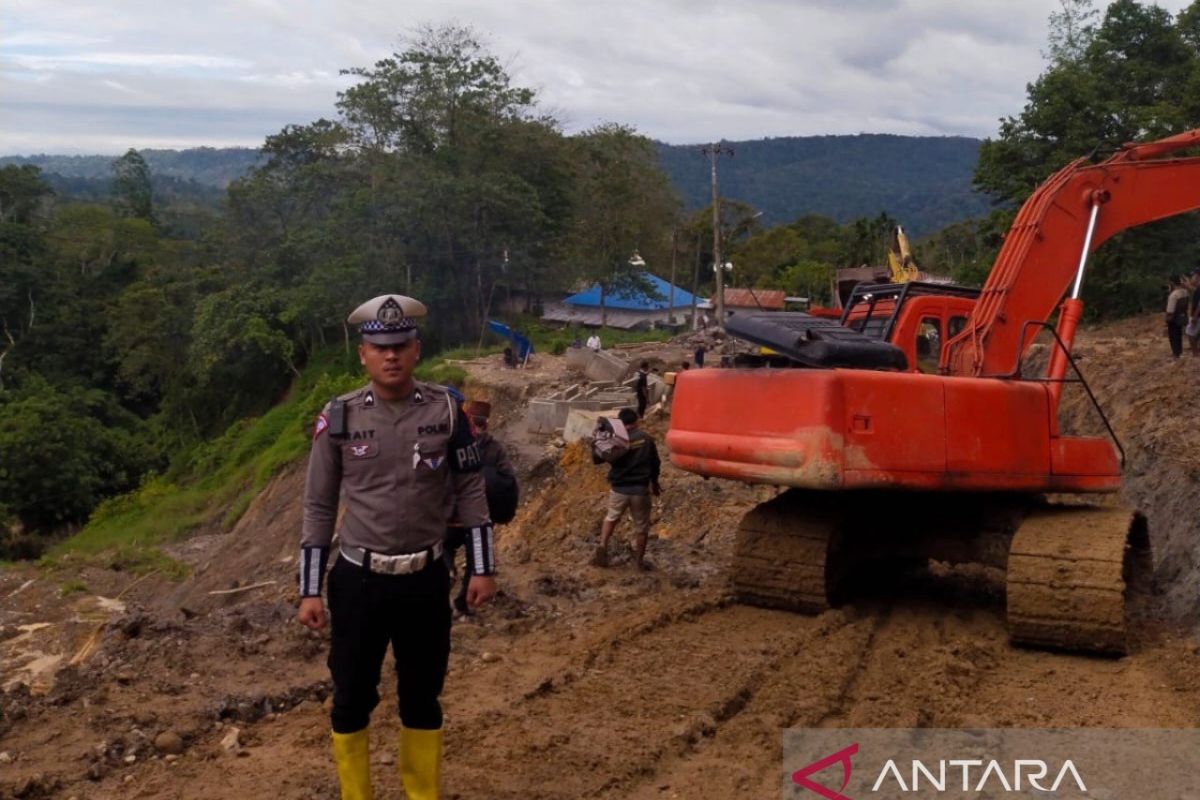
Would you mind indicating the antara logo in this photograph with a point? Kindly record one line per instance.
(800, 776)
(977, 775)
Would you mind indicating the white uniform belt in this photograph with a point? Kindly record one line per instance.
(403, 564)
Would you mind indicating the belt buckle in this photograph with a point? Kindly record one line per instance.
(400, 564)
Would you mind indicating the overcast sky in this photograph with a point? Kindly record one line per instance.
(90, 77)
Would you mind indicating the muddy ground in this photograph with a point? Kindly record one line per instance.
(579, 681)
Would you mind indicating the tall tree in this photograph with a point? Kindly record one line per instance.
(1071, 29)
(131, 185)
(437, 178)
(624, 204)
(1135, 76)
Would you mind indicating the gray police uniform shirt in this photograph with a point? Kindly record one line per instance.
(402, 468)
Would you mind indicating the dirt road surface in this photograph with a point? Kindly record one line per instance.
(578, 682)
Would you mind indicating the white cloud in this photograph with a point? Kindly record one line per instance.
(298, 79)
(146, 61)
(120, 87)
(48, 39)
(679, 70)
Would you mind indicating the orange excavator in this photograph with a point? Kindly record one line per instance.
(913, 428)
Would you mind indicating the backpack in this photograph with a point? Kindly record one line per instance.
(610, 439)
(502, 494)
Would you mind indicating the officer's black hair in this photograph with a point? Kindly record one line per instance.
(627, 416)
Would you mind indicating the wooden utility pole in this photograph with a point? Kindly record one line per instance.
(713, 152)
(696, 278)
(671, 301)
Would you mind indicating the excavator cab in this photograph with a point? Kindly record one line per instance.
(898, 327)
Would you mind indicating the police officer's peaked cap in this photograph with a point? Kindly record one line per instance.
(388, 319)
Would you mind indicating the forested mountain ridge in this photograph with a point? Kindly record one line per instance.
(205, 165)
(924, 182)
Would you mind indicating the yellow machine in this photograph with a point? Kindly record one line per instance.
(900, 260)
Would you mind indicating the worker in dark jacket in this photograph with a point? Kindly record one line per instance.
(401, 456)
(633, 478)
(496, 467)
(641, 388)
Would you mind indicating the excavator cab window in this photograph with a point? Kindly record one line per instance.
(872, 327)
(929, 344)
(955, 326)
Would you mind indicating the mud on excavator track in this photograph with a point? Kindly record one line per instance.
(1071, 570)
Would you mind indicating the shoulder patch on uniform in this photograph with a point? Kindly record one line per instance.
(360, 393)
(432, 391)
(322, 425)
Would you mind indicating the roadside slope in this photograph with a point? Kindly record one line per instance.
(578, 681)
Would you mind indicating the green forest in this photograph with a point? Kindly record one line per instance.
(924, 181)
(166, 338)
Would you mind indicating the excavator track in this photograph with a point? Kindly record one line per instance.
(782, 556)
(1072, 570)
(1069, 572)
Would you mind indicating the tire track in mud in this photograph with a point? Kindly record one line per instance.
(843, 672)
(703, 676)
(645, 697)
(806, 686)
(918, 664)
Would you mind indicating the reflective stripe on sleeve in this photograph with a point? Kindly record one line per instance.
(312, 570)
(482, 551)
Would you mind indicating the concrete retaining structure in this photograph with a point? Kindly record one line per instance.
(549, 414)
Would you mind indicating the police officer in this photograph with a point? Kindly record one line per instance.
(402, 454)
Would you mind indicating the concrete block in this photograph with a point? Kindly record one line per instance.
(619, 399)
(605, 366)
(578, 358)
(581, 422)
(543, 416)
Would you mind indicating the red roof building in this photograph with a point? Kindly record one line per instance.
(764, 299)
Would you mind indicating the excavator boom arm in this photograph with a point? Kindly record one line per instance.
(1041, 253)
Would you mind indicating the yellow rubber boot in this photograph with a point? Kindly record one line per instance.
(351, 751)
(421, 763)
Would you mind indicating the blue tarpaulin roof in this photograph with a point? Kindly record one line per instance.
(634, 300)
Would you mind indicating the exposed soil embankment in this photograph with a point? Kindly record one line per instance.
(1153, 403)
